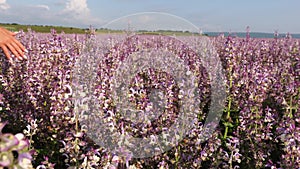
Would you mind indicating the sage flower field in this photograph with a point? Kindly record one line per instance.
(68, 76)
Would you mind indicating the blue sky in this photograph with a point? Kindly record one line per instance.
(207, 15)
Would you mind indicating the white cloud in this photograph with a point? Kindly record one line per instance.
(78, 7)
(4, 5)
(45, 7)
(77, 12)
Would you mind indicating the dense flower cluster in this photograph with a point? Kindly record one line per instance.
(263, 82)
(67, 76)
(14, 150)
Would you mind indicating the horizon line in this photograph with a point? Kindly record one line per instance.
(203, 32)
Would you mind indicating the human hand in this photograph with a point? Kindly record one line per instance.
(9, 43)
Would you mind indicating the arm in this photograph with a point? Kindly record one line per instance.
(9, 43)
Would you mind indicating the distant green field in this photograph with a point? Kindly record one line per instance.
(46, 29)
(42, 29)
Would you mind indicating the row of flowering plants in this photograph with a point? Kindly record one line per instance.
(40, 126)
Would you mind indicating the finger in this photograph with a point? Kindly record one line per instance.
(9, 32)
(17, 48)
(20, 46)
(21, 49)
(14, 49)
(6, 53)
(12, 33)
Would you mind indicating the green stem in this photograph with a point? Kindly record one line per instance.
(228, 110)
(291, 107)
(226, 131)
(76, 139)
(30, 141)
(257, 116)
(230, 161)
(229, 104)
(177, 156)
